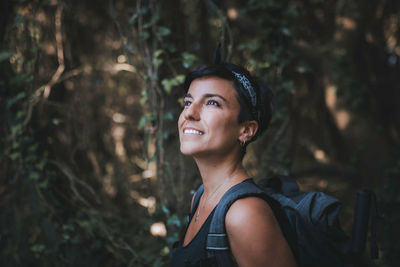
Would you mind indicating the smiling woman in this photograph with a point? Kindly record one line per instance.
(224, 110)
(208, 124)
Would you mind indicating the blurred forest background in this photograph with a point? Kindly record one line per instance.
(90, 168)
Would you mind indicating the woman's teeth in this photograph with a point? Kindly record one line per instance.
(191, 131)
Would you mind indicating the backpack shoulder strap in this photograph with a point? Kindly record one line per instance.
(217, 244)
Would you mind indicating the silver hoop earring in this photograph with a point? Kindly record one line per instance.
(242, 143)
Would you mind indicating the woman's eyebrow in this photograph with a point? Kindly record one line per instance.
(215, 95)
(188, 95)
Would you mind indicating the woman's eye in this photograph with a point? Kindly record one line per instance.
(186, 103)
(213, 103)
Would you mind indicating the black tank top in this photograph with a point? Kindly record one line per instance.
(194, 253)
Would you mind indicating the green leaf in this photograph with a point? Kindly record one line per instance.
(168, 84)
(20, 114)
(33, 148)
(188, 60)
(19, 19)
(164, 252)
(143, 99)
(144, 35)
(157, 62)
(153, 21)
(165, 135)
(66, 236)
(44, 184)
(5, 55)
(285, 31)
(14, 155)
(34, 176)
(144, 120)
(15, 145)
(56, 121)
(41, 165)
(163, 31)
(174, 220)
(168, 116)
(165, 210)
(144, 10)
(132, 19)
(288, 87)
(180, 78)
(38, 248)
(158, 52)
(16, 128)
(172, 239)
(15, 99)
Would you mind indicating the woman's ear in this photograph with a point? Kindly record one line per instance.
(248, 129)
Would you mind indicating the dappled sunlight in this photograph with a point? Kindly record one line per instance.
(109, 188)
(121, 59)
(149, 203)
(118, 117)
(149, 169)
(323, 184)
(148, 173)
(232, 13)
(49, 48)
(91, 105)
(320, 156)
(346, 22)
(342, 116)
(391, 34)
(158, 229)
(330, 96)
(118, 133)
(123, 66)
(369, 37)
(331, 185)
(312, 183)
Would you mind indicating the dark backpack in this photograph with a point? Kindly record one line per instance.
(309, 222)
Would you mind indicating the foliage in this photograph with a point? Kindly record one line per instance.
(90, 95)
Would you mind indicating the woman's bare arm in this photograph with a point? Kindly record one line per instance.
(255, 236)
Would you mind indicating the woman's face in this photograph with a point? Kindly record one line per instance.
(208, 124)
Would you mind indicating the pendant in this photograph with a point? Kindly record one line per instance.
(197, 217)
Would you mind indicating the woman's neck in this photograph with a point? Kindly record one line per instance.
(214, 172)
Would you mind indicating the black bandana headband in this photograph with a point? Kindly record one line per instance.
(244, 81)
(247, 85)
(252, 97)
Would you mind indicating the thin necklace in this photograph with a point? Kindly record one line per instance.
(209, 197)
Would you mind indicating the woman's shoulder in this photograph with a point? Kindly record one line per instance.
(254, 234)
(249, 211)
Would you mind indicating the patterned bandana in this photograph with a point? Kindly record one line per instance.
(250, 91)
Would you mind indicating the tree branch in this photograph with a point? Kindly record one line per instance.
(60, 53)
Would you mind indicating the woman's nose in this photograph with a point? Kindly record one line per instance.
(192, 112)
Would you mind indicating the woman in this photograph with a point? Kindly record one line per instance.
(224, 110)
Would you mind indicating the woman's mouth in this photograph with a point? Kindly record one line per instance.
(192, 131)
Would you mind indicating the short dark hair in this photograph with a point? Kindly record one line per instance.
(247, 112)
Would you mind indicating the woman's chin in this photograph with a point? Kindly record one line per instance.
(190, 150)
(187, 151)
